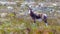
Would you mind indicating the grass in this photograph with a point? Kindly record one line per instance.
(2, 7)
(19, 26)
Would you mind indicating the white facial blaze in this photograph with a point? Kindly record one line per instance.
(29, 12)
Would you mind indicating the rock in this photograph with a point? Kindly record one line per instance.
(3, 15)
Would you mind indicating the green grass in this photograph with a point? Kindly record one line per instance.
(2, 7)
(19, 26)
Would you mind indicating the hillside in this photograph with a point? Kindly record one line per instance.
(15, 19)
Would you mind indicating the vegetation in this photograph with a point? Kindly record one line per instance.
(19, 26)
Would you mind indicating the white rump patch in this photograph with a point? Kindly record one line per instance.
(44, 15)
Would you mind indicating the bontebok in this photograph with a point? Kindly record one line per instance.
(35, 16)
